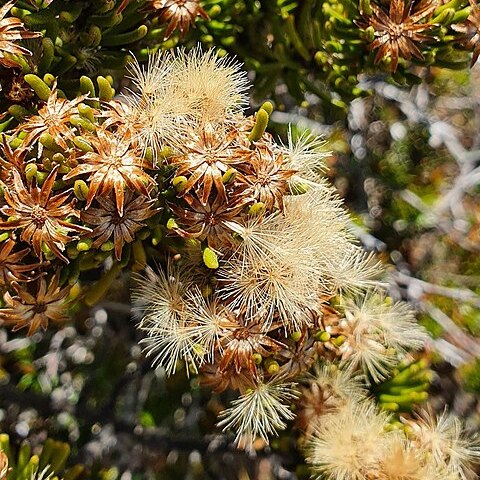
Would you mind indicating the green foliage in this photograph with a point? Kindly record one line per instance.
(317, 46)
(406, 389)
(49, 463)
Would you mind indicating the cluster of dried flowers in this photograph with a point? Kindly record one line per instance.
(356, 441)
(260, 280)
(401, 31)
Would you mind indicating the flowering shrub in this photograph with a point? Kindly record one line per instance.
(246, 272)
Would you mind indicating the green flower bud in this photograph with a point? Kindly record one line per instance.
(210, 258)
(80, 189)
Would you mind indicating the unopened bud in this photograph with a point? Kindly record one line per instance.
(179, 183)
(80, 189)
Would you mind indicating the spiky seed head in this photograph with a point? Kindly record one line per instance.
(306, 155)
(215, 87)
(378, 333)
(260, 412)
(443, 438)
(348, 442)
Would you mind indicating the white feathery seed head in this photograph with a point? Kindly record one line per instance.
(349, 442)
(160, 302)
(378, 333)
(207, 322)
(159, 297)
(306, 155)
(286, 261)
(179, 89)
(403, 461)
(340, 384)
(215, 87)
(442, 438)
(260, 412)
(157, 111)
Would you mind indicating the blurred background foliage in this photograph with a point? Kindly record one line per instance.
(405, 154)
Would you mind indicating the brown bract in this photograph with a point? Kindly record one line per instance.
(25, 310)
(219, 380)
(12, 30)
(43, 217)
(398, 31)
(114, 164)
(53, 118)
(208, 221)
(108, 222)
(10, 161)
(268, 178)
(179, 14)
(207, 157)
(243, 343)
(12, 269)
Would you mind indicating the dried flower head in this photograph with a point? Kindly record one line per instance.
(443, 438)
(109, 223)
(12, 269)
(398, 31)
(25, 310)
(205, 157)
(214, 86)
(268, 177)
(260, 412)
(114, 164)
(378, 332)
(327, 389)
(10, 160)
(53, 118)
(348, 442)
(211, 221)
(471, 31)
(12, 30)
(179, 14)
(246, 341)
(42, 217)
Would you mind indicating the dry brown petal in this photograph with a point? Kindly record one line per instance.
(179, 14)
(400, 30)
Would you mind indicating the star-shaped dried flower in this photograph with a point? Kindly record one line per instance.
(10, 161)
(206, 157)
(12, 269)
(12, 30)
(53, 118)
(25, 310)
(43, 217)
(267, 176)
(108, 222)
(115, 163)
(398, 31)
(243, 343)
(208, 221)
(179, 14)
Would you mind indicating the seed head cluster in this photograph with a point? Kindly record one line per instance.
(247, 272)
